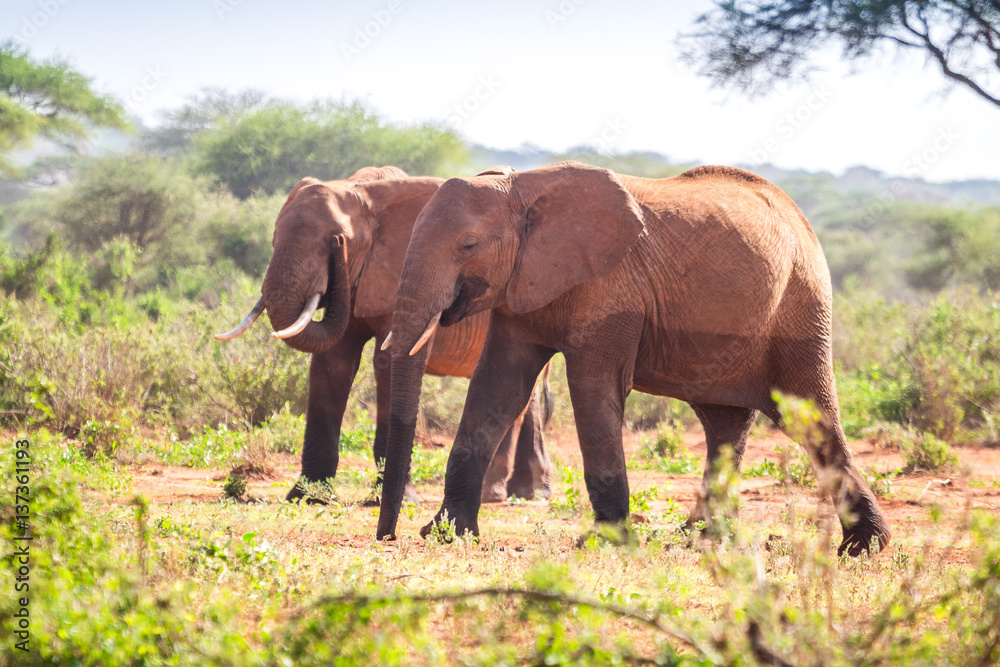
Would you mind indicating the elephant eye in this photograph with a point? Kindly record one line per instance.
(469, 243)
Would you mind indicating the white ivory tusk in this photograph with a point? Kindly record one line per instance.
(304, 319)
(245, 324)
(428, 332)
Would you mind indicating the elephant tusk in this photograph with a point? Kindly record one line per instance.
(428, 332)
(246, 323)
(304, 319)
(386, 342)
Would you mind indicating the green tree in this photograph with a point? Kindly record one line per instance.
(268, 150)
(752, 44)
(202, 111)
(47, 99)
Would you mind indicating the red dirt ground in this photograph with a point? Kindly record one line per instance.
(763, 498)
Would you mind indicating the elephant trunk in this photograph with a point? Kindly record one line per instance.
(291, 283)
(407, 372)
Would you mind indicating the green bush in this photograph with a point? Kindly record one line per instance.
(927, 453)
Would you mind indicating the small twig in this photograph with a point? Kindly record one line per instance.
(763, 654)
(538, 596)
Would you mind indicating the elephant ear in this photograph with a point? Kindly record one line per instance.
(579, 223)
(393, 206)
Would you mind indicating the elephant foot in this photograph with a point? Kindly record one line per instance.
(446, 527)
(527, 487)
(409, 496)
(615, 534)
(864, 525)
(296, 493)
(496, 493)
(862, 537)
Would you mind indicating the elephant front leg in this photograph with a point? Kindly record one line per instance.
(599, 370)
(498, 393)
(331, 375)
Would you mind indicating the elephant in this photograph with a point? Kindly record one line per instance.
(709, 287)
(340, 245)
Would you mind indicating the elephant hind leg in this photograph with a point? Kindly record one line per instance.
(725, 426)
(532, 467)
(861, 518)
(495, 483)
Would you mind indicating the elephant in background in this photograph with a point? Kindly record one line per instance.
(709, 287)
(340, 245)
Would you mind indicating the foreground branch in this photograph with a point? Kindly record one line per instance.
(652, 622)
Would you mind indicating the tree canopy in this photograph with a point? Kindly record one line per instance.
(47, 99)
(268, 149)
(752, 44)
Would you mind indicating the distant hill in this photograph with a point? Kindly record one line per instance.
(858, 181)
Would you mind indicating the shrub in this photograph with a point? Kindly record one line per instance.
(235, 486)
(926, 452)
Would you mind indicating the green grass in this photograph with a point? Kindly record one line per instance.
(272, 583)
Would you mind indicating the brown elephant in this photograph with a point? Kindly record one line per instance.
(340, 245)
(709, 287)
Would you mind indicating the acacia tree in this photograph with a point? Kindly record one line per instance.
(47, 99)
(752, 44)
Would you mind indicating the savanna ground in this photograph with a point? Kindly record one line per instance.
(185, 553)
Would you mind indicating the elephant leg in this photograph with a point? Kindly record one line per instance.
(383, 381)
(861, 518)
(331, 375)
(495, 483)
(532, 467)
(724, 425)
(599, 374)
(500, 389)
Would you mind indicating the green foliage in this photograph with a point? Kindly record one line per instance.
(935, 366)
(571, 503)
(286, 431)
(428, 465)
(638, 501)
(928, 453)
(646, 411)
(89, 605)
(47, 99)
(234, 486)
(667, 452)
(881, 482)
(268, 150)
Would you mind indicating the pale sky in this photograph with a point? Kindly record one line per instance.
(553, 73)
